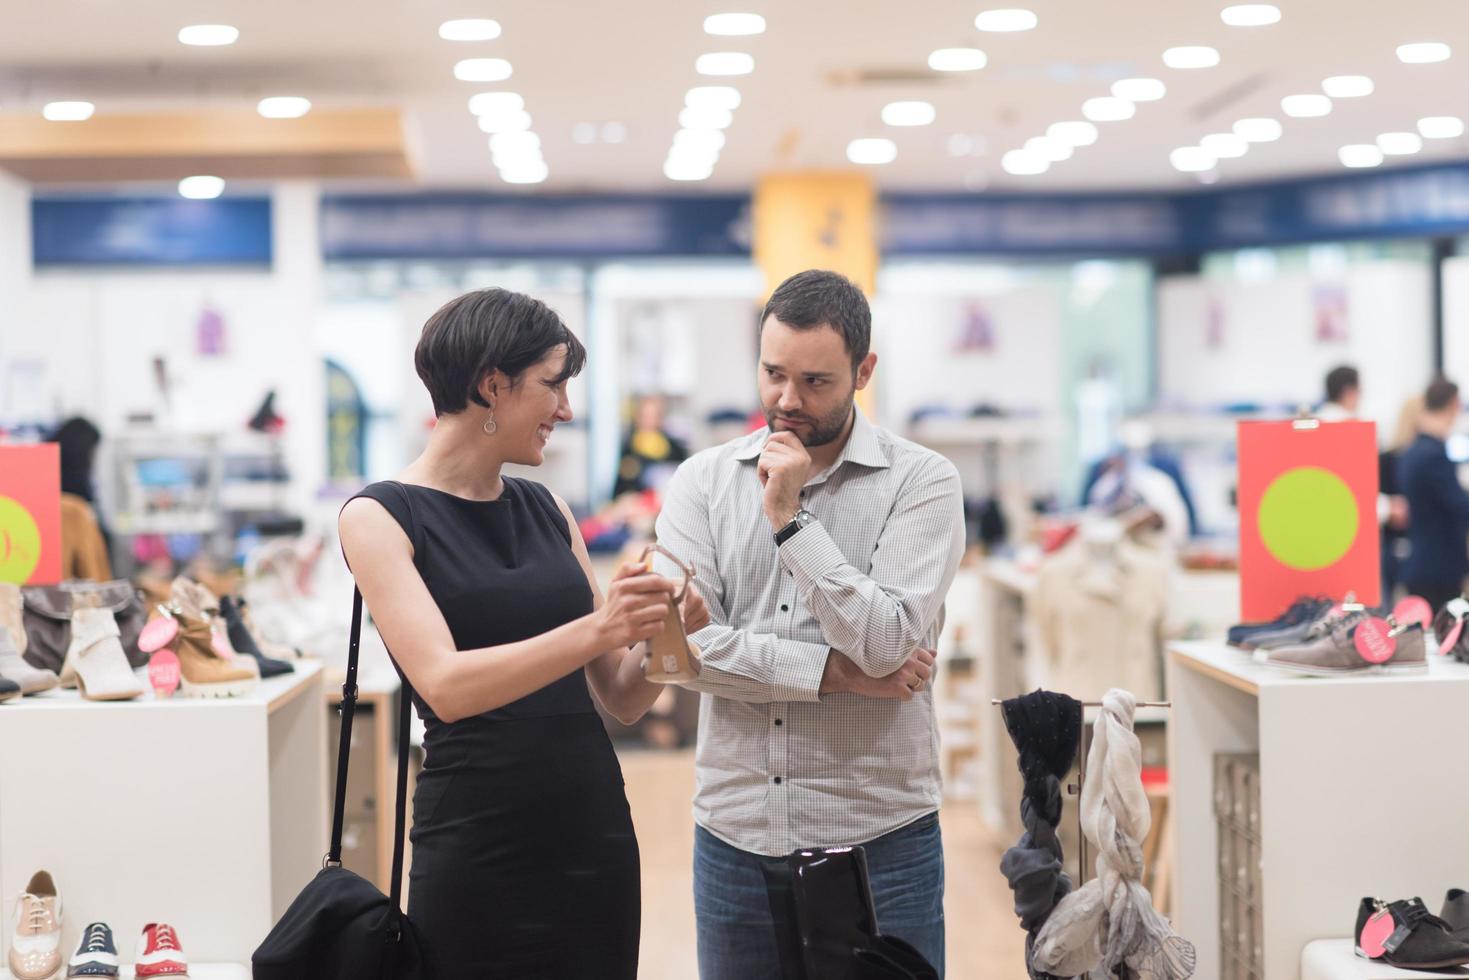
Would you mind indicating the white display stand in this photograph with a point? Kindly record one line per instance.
(210, 815)
(1362, 783)
(1336, 959)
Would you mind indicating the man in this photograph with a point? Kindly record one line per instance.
(1439, 525)
(1343, 395)
(824, 547)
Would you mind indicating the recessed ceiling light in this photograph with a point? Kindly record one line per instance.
(1250, 15)
(505, 121)
(705, 117)
(1441, 127)
(489, 103)
(957, 59)
(734, 25)
(613, 132)
(472, 29)
(68, 111)
(519, 160)
(1191, 56)
(584, 134)
(1224, 146)
(1006, 21)
(688, 169)
(201, 188)
(1305, 106)
(725, 63)
(1258, 130)
(283, 107)
(1423, 53)
(1139, 89)
(872, 152)
(530, 173)
(715, 96)
(1347, 86)
(482, 70)
(515, 143)
(1108, 109)
(1360, 155)
(1076, 133)
(1023, 164)
(699, 140)
(1399, 144)
(1191, 159)
(1048, 149)
(908, 113)
(209, 35)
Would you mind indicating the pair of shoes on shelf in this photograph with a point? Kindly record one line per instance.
(207, 669)
(1405, 934)
(1335, 650)
(95, 662)
(1302, 613)
(35, 946)
(14, 671)
(226, 617)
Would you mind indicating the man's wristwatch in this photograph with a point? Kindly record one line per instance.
(802, 518)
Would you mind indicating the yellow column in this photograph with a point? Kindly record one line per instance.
(816, 221)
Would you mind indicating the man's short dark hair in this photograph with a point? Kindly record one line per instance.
(1340, 381)
(1440, 395)
(817, 298)
(484, 331)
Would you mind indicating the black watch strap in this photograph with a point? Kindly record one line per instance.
(801, 519)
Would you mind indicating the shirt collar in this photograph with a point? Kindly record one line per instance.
(862, 446)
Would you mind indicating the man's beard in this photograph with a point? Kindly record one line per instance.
(820, 431)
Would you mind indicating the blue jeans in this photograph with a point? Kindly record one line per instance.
(737, 929)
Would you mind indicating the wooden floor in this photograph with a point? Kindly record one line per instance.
(984, 939)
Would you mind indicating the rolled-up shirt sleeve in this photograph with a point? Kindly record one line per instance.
(877, 620)
(742, 665)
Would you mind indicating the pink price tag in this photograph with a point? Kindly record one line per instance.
(163, 673)
(1414, 609)
(1375, 933)
(1375, 641)
(157, 634)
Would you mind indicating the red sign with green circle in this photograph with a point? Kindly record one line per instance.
(30, 514)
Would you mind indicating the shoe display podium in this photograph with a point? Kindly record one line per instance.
(1336, 959)
(1362, 791)
(197, 971)
(209, 815)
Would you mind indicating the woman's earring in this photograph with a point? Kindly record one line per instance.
(490, 426)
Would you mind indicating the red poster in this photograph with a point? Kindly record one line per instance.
(1308, 514)
(30, 514)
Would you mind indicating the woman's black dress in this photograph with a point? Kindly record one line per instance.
(524, 860)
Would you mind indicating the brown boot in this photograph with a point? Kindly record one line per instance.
(203, 672)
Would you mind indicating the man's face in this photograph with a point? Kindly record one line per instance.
(1351, 398)
(806, 381)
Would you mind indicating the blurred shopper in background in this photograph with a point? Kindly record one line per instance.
(649, 453)
(85, 544)
(1395, 528)
(1343, 395)
(1438, 527)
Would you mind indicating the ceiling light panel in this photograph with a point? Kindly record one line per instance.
(1139, 89)
(725, 63)
(1191, 57)
(872, 152)
(1347, 86)
(734, 25)
(957, 59)
(1360, 155)
(1250, 15)
(283, 107)
(1108, 109)
(209, 35)
(483, 70)
(908, 113)
(1258, 130)
(471, 29)
(1076, 133)
(1441, 127)
(1423, 53)
(1305, 106)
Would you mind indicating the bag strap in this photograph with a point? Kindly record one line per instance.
(344, 745)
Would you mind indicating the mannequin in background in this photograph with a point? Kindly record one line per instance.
(84, 540)
(1343, 395)
(1437, 503)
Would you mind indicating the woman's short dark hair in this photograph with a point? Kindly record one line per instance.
(817, 298)
(485, 331)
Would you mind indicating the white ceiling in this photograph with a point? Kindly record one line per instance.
(630, 62)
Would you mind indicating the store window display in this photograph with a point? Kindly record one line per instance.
(483, 591)
(827, 546)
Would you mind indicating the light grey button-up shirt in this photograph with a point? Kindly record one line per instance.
(780, 767)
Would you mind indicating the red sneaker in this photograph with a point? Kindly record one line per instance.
(159, 953)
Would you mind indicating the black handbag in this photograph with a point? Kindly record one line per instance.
(341, 927)
(837, 920)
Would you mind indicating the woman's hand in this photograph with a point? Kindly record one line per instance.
(636, 606)
(695, 611)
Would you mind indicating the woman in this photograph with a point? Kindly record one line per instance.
(524, 859)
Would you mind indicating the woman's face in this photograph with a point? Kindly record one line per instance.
(528, 413)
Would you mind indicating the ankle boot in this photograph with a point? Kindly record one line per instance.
(203, 672)
(12, 615)
(95, 661)
(31, 680)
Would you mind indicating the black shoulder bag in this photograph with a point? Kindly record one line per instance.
(341, 927)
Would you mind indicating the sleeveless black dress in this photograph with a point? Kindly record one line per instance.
(524, 860)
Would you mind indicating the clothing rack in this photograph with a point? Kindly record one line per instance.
(1075, 790)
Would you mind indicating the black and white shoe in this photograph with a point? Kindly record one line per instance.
(97, 955)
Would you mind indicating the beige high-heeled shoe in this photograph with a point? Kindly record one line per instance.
(95, 661)
(203, 673)
(672, 657)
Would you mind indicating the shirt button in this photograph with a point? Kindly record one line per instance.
(785, 608)
(777, 780)
(779, 722)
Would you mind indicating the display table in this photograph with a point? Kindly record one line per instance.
(1362, 780)
(210, 815)
(1336, 959)
(197, 971)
